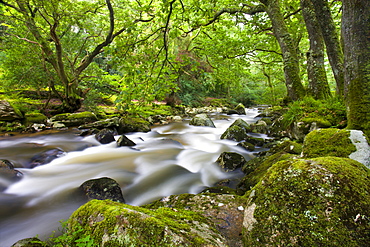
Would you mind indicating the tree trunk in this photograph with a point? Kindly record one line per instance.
(356, 39)
(289, 50)
(317, 80)
(331, 38)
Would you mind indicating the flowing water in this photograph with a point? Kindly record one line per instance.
(171, 159)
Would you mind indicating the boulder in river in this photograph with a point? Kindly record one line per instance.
(45, 157)
(237, 131)
(8, 173)
(105, 136)
(109, 223)
(102, 189)
(202, 120)
(230, 161)
(125, 141)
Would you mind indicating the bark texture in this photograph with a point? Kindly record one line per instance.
(290, 56)
(317, 81)
(356, 39)
(332, 42)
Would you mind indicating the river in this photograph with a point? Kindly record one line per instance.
(171, 159)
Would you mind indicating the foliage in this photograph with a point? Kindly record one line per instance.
(331, 110)
(70, 237)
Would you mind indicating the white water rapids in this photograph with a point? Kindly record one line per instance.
(171, 159)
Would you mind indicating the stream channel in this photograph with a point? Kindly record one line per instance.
(171, 159)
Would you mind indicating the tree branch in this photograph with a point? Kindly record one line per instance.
(10, 6)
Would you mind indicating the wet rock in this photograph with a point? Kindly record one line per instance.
(239, 109)
(105, 136)
(247, 145)
(8, 113)
(303, 202)
(258, 141)
(125, 141)
(30, 242)
(224, 210)
(45, 157)
(8, 173)
(237, 131)
(202, 120)
(102, 189)
(260, 127)
(110, 223)
(230, 161)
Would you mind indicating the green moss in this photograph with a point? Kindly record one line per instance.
(317, 202)
(133, 124)
(35, 118)
(116, 224)
(325, 113)
(320, 121)
(256, 169)
(328, 142)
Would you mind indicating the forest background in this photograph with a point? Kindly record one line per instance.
(184, 52)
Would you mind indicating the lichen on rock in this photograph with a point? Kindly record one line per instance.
(116, 224)
(311, 202)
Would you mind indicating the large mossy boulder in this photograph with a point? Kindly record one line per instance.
(310, 202)
(255, 169)
(133, 124)
(336, 142)
(202, 120)
(237, 131)
(74, 119)
(226, 211)
(110, 223)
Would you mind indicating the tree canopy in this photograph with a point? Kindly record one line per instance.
(179, 50)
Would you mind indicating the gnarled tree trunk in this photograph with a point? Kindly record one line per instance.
(356, 40)
(331, 38)
(290, 56)
(317, 81)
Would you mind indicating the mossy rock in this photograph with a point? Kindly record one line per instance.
(75, 119)
(230, 161)
(328, 142)
(240, 109)
(226, 211)
(36, 117)
(288, 147)
(256, 169)
(310, 202)
(133, 124)
(111, 223)
(237, 131)
(320, 122)
(202, 120)
(30, 242)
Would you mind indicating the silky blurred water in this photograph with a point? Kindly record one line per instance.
(171, 159)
